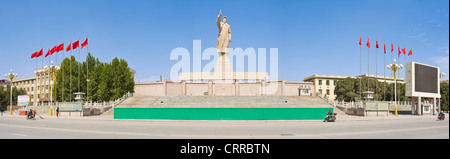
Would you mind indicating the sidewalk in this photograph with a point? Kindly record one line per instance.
(339, 118)
(47, 116)
(390, 117)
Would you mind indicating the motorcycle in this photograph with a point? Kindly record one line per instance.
(441, 117)
(329, 118)
(31, 116)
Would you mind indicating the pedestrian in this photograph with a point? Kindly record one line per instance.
(57, 111)
(2, 110)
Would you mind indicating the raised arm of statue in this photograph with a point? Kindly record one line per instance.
(218, 19)
(229, 34)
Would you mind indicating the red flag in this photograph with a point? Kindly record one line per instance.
(34, 54)
(399, 52)
(404, 51)
(377, 45)
(410, 52)
(69, 47)
(84, 43)
(360, 40)
(368, 43)
(60, 47)
(76, 44)
(48, 53)
(384, 48)
(53, 50)
(392, 47)
(40, 53)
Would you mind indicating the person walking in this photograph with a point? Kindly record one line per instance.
(57, 111)
(1, 109)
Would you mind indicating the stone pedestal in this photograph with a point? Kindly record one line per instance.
(223, 69)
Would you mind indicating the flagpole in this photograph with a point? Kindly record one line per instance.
(70, 79)
(79, 64)
(404, 78)
(42, 103)
(62, 71)
(360, 66)
(368, 67)
(360, 72)
(87, 72)
(35, 84)
(398, 75)
(376, 69)
(56, 64)
(384, 72)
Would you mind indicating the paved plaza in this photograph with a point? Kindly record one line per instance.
(346, 127)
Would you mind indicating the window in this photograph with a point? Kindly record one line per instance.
(328, 92)
(328, 82)
(320, 82)
(320, 91)
(335, 83)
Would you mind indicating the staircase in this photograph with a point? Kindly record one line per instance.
(224, 101)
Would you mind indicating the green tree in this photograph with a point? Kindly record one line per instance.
(444, 96)
(107, 81)
(349, 90)
(5, 96)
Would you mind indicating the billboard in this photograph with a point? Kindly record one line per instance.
(23, 100)
(422, 80)
(70, 106)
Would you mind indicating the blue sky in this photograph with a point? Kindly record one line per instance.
(312, 37)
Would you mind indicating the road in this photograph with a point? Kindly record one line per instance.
(105, 127)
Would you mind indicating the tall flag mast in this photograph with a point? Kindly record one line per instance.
(384, 72)
(368, 60)
(85, 43)
(376, 68)
(360, 73)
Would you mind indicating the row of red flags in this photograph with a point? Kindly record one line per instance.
(392, 47)
(59, 48)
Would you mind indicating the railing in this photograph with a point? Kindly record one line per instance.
(357, 104)
(108, 104)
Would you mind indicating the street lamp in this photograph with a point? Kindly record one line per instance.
(11, 76)
(395, 67)
(51, 70)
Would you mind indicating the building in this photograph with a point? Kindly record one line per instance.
(39, 87)
(324, 85)
(5, 84)
(235, 88)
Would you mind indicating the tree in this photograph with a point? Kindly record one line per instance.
(5, 96)
(107, 81)
(349, 90)
(444, 96)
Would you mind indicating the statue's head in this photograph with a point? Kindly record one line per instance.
(224, 19)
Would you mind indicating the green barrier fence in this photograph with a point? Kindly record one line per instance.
(221, 113)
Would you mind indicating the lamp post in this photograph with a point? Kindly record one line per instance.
(395, 67)
(441, 75)
(51, 71)
(11, 76)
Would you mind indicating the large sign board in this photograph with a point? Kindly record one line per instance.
(23, 100)
(377, 105)
(422, 80)
(70, 106)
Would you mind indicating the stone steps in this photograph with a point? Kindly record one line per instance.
(224, 101)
